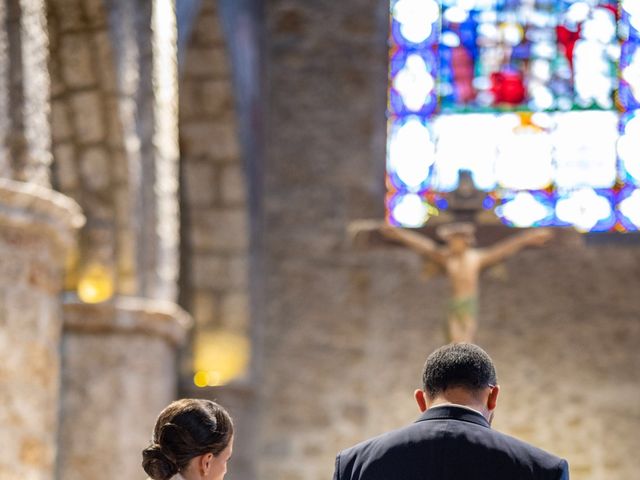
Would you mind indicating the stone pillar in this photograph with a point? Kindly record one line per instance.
(25, 134)
(36, 227)
(119, 371)
(144, 38)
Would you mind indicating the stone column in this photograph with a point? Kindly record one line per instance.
(119, 371)
(25, 134)
(144, 38)
(36, 227)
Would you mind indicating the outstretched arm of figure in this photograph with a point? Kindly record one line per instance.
(505, 248)
(415, 241)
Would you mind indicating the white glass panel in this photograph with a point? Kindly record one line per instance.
(524, 210)
(411, 152)
(585, 144)
(466, 142)
(583, 209)
(414, 82)
(524, 159)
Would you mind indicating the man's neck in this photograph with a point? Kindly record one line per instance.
(449, 404)
(461, 398)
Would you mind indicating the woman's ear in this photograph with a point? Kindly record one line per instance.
(205, 463)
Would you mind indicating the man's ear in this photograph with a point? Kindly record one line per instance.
(421, 399)
(492, 400)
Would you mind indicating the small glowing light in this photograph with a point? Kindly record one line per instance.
(544, 50)
(524, 210)
(95, 284)
(583, 209)
(630, 208)
(450, 39)
(512, 33)
(412, 211)
(219, 357)
(200, 379)
(414, 82)
(489, 31)
(542, 98)
(214, 379)
(541, 69)
(416, 18)
(578, 12)
(456, 14)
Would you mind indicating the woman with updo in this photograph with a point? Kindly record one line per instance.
(192, 440)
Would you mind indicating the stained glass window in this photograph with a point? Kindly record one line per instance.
(539, 100)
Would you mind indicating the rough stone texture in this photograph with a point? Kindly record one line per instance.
(326, 65)
(213, 182)
(119, 371)
(36, 228)
(88, 139)
(347, 332)
(143, 36)
(114, 90)
(24, 88)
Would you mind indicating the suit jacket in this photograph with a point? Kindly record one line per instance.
(448, 443)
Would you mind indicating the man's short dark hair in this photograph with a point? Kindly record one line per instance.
(458, 365)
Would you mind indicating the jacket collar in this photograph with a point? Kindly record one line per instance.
(453, 412)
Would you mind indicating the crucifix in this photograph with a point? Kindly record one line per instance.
(459, 259)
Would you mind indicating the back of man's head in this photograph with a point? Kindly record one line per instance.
(460, 365)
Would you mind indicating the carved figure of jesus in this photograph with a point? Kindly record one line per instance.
(463, 264)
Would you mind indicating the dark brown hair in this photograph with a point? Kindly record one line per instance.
(458, 365)
(186, 429)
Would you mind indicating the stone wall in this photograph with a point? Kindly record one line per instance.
(114, 125)
(90, 161)
(326, 70)
(214, 206)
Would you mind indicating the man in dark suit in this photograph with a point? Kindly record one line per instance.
(452, 439)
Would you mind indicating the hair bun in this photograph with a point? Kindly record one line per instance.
(157, 465)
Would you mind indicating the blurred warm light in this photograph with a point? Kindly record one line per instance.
(95, 284)
(219, 358)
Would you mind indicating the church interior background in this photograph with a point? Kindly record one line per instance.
(177, 184)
